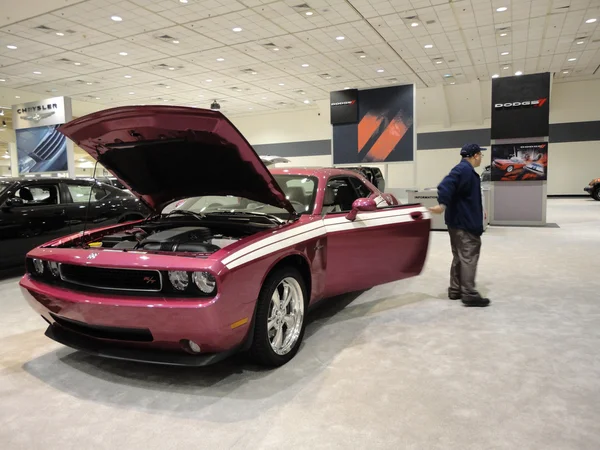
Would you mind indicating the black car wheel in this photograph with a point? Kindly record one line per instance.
(596, 193)
(509, 169)
(280, 318)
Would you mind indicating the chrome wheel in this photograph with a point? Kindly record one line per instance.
(285, 316)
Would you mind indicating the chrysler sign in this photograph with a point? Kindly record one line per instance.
(52, 111)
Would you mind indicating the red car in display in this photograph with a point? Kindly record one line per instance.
(508, 165)
(235, 267)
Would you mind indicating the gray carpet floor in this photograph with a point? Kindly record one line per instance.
(396, 367)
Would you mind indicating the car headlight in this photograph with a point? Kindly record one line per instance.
(179, 279)
(38, 266)
(53, 266)
(205, 281)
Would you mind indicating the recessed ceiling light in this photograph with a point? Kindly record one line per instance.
(131, 93)
(237, 29)
(17, 96)
(504, 53)
(165, 100)
(60, 34)
(77, 63)
(438, 62)
(175, 41)
(209, 80)
(2, 80)
(495, 75)
(116, 18)
(565, 71)
(264, 98)
(380, 70)
(171, 68)
(37, 73)
(183, 1)
(123, 53)
(307, 101)
(167, 87)
(505, 68)
(281, 84)
(340, 38)
(453, 82)
(250, 107)
(518, 73)
(501, 9)
(254, 73)
(590, 20)
(11, 47)
(572, 59)
(347, 87)
(503, 34)
(220, 59)
(304, 65)
(580, 42)
(414, 24)
(275, 49)
(89, 83)
(127, 76)
(363, 56)
(309, 13)
(97, 98)
(429, 46)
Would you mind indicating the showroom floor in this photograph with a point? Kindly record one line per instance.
(397, 367)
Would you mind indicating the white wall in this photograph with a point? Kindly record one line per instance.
(450, 108)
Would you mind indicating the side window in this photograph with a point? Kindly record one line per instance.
(38, 194)
(363, 191)
(80, 193)
(339, 196)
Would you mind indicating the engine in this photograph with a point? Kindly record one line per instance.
(178, 239)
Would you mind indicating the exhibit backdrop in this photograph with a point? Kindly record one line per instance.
(383, 131)
(40, 147)
(521, 106)
(517, 162)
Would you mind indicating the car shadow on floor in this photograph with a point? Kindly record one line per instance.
(216, 392)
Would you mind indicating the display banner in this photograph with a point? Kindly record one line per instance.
(521, 106)
(344, 106)
(518, 162)
(384, 131)
(40, 147)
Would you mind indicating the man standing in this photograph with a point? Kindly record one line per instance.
(459, 195)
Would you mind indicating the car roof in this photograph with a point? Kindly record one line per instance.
(319, 172)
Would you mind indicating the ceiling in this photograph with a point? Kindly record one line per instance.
(288, 53)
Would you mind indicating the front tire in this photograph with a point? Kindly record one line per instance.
(280, 318)
(596, 193)
(509, 169)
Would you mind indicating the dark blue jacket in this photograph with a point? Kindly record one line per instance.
(460, 192)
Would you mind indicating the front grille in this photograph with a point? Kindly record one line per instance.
(105, 332)
(111, 278)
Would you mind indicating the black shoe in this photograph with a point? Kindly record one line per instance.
(453, 295)
(476, 301)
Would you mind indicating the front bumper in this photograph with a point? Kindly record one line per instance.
(588, 189)
(141, 329)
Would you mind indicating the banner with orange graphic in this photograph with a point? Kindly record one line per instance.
(384, 131)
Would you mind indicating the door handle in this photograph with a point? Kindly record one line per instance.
(416, 215)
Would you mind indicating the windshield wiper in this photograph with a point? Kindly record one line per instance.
(246, 213)
(185, 212)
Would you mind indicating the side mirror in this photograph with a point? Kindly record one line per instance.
(12, 202)
(361, 204)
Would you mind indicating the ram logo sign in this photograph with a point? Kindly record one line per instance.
(533, 103)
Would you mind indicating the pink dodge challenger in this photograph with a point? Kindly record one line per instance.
(235, 267)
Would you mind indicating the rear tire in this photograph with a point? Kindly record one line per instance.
(596, 193)
(280, 318)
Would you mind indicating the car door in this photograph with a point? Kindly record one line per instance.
(104, 207)
(36, 216)
(380, 246)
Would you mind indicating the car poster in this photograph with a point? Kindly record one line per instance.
(518, 162)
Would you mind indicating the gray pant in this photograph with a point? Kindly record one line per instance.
(465, 249)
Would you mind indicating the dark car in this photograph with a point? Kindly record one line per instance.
(593, 189)
(373, 174)
(33, 211)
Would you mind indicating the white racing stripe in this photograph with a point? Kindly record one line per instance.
(313, 230)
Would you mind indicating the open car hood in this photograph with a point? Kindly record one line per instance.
(166, 153)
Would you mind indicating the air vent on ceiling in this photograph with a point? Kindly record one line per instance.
(166, 37)
(429, 22)
(325, 76)
(250, 71)
(288, 47)
(302, 6)
(44, 28)
(269, 45)
(411, 17)
(65, 60)
(281, 103)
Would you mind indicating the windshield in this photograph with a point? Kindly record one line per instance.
(298, 189)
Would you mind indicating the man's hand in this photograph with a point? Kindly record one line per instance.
(439, 209)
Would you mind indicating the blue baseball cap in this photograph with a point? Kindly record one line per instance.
(470, 150)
